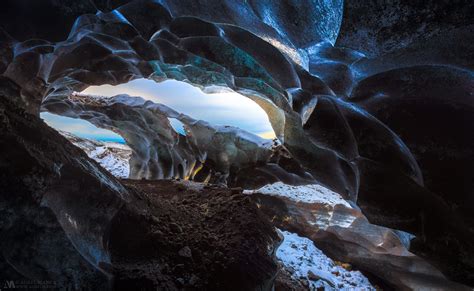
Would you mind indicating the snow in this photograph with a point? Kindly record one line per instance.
(312, 193)
(107, 157)
(304, 261)
(112, 156)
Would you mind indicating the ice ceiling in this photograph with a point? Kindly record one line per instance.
(353, 117)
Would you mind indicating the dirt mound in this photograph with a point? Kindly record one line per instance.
(180, 235)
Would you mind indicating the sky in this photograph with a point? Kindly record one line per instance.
(228, 108)
(80, 128)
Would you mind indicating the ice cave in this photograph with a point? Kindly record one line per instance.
(236, 145)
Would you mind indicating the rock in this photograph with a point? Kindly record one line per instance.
(232, 257)
(193, 280)
(377, 28)
(185, 252)
(176, 228)
(312, 276)
(236, 190)
(26, 20)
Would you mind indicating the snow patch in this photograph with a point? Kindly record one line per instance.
(307, 193)
(304, 261)
(114, 157)
(111, 158)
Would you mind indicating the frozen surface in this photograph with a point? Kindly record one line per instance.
(304, 261)
(307, 193)
(114, 157)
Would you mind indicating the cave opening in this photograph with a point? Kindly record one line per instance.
(217, 105)
(104, 146)
(153, 136)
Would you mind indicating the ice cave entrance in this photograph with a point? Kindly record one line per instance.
(222, 107)
(225, 107)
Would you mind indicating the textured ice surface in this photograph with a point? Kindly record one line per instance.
(304, 261)
(158, 151)
(307, 193)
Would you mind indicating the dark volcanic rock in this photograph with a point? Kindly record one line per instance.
(48, 19)
(451, 48)
(192, 238)
(378, 27)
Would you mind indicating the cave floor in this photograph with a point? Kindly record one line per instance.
(186, 235)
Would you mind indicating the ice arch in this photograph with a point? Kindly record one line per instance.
(219, 107)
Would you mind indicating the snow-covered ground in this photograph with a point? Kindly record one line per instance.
(304, 261)
(307, 193)
(114, 157)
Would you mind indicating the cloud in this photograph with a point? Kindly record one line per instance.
(267, 134)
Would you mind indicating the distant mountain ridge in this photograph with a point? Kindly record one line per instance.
(113, 156)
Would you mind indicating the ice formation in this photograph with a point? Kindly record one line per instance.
(311, 193)
(158, 151)
(327, 220)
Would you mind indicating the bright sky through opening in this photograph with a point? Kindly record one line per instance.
(227, 108)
